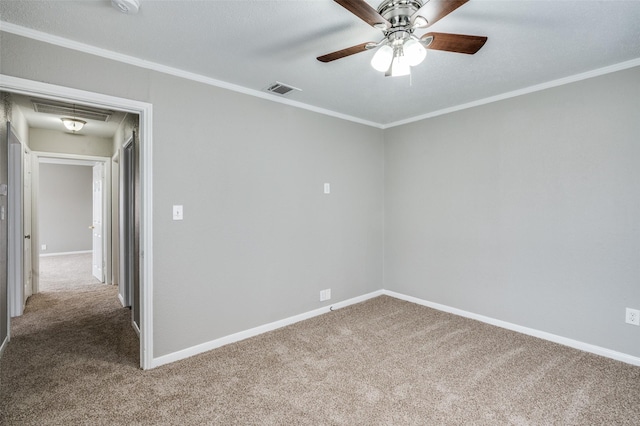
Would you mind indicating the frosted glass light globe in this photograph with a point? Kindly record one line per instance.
(382, 58)
(400, 66)
(414, 52)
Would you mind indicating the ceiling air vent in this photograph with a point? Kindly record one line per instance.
(281, 88)
(74, 111)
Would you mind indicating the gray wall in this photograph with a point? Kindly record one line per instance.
(521, 210)
(259, 239)
(65, 203)
(525, 210)
(67, 143)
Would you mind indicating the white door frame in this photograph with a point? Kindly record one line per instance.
(101, 268)
(41, 157)
(144, 111)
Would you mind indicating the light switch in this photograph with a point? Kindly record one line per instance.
(177, 213)
(327, 188)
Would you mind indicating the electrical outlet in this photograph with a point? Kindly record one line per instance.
(325, 294)
(633, 316)
(43, 247)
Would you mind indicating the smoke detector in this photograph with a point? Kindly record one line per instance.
(130, 7)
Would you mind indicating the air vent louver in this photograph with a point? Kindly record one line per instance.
(67, 110)
(281, 88)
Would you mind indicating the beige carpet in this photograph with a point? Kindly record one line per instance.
(67, 272)
(73, 360)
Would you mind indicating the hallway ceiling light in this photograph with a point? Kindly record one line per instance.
(73, 124)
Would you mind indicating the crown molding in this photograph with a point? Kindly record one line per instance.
(154, 66)
(132, 60)
(515, 93)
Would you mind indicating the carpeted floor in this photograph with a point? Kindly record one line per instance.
(73, 360)
(70, 272)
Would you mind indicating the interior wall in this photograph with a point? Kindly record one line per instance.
(521, 210)
(45, 140)
(65, 204)
(524, 210)
(259, 239)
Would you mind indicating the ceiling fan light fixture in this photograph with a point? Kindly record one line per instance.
(73, 124)
(400, 66)
(382, 58)
(414, 52)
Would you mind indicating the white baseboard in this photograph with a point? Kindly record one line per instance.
(619, 356)
(65, 253)
(135, 328)
(242, 335)
(4, 345)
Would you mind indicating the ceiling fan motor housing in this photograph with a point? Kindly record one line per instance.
(399, 12)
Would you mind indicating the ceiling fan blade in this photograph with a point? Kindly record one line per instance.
(345, 52)
(457, 43)
(434, 10)
(362, 10)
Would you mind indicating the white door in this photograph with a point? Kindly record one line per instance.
(96, 226)
(16, 231)
(126, 219)
(26, 260)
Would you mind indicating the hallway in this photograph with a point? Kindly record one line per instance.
(71, 333)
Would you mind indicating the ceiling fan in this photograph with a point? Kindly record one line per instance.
(400, 49)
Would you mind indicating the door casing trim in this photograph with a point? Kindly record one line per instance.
(145, 112)
(40, 157)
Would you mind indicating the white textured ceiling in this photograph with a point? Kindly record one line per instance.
(254, 43)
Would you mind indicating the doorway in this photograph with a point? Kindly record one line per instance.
(72, 198)
(143, 110)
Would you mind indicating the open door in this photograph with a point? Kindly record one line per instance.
(16, 232)
(26, 224)
(129, 284)
(20, 268)
(4, 192)
(126, 224)
(96, 226)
